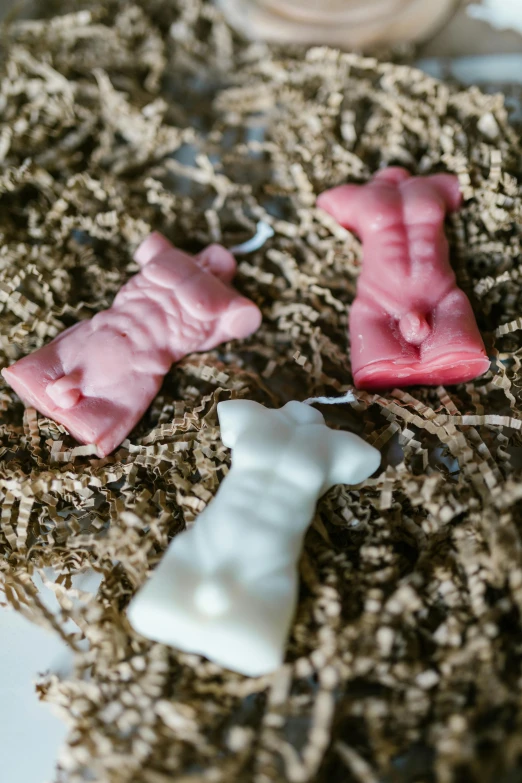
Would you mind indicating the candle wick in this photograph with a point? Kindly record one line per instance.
(263, 232)
(348, 397)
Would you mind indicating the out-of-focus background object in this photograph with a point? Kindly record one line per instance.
(502, 14)
(476, 42)
(481, 28)
(347, 24)
(446, 27)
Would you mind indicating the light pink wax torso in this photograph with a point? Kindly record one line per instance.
(99, 377)
(410, 323)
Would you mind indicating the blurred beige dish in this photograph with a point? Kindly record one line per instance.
(348, 24)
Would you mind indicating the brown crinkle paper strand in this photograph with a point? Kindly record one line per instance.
(404, 660)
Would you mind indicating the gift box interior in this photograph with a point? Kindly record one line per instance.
(404, 659)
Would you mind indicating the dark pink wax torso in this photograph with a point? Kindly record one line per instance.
(410, 323)
(406, 257)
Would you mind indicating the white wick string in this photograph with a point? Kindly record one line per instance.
(348, 397)
(263, 232)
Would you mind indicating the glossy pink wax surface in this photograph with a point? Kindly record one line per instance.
(410, 323)
(99, 377)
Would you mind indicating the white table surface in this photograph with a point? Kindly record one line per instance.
(30, 734)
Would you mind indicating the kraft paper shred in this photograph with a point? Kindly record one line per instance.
(404, 660)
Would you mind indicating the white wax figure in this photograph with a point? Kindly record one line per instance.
(227, 588)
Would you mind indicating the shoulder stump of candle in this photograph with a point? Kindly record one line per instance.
(99, 377)
(227, 588)
(410, 323)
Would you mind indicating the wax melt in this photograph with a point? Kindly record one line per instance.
(99, 377)
(410, 323)
(227, 588)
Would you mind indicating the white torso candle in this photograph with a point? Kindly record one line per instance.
(227, 588)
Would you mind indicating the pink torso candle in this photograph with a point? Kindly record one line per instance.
(99, 377)
(410, 323)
